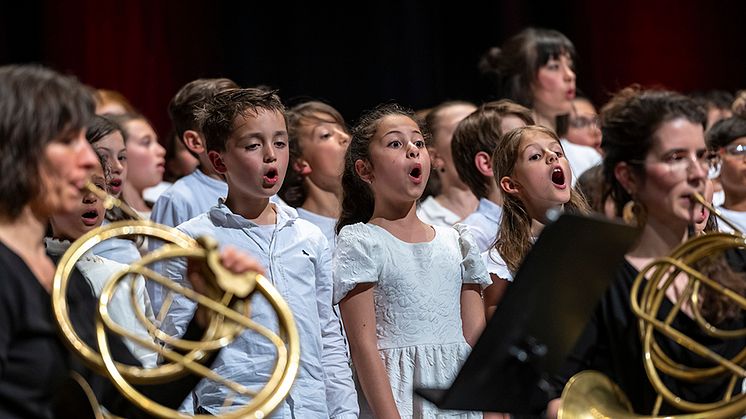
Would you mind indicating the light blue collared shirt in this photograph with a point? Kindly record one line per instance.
(189, 197)
(484, 223)
(298, 262)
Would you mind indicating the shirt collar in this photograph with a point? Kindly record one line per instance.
(490, 209)
(56, 247)
(222, 216)
(209, 180)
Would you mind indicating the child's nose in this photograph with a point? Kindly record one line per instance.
(89, 198)
(160, 150)
(117, 166)
(269, 154)
(412, 150)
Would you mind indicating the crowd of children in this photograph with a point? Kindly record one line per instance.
(389, 287)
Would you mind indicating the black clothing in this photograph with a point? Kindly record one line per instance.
(35, 363)
(611, 344)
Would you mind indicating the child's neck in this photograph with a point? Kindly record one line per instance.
(320, 201)
(458, 199)
(735, 201)
(402, 222)
(206, 169)
(542, 213)
(257, 210)
(536, 227)
(134, 198)
(494, 194)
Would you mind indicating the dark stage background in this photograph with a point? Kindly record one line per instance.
(415, 52)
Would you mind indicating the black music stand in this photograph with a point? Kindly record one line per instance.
(540, 317)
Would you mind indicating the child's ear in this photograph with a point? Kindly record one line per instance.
(509, 186)
(194, 141)
(217, 162)
(363, 169)
(483, 162)
(302, 167)
(625, 176)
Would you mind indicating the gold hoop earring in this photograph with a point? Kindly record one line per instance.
(633, 213)
(628, 212)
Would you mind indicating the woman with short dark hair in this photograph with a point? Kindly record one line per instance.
(46, 161)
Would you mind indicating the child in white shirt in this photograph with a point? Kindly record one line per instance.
(247, 143)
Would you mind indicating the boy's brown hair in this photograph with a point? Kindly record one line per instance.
(219, 113)
(186, 104)
(480, 131)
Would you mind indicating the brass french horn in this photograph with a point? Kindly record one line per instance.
(590, 394)
(227, 302)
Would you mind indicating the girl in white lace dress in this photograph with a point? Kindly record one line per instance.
(409, 292)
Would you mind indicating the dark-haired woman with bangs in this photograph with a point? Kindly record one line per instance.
(536, 68)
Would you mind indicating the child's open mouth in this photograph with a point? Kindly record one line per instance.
(90, 218)
(416, 174)
(271, 177)
(558, 176)
(115, 185)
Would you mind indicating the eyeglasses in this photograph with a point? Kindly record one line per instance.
(582, 121)
(679, 166)
(735, 150)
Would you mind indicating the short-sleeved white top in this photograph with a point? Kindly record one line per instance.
(496, 265)
(417, 302)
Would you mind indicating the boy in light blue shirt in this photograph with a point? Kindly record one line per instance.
(247, 143)
(474, 141)
(199, 191)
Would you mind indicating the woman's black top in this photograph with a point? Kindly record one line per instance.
(35, 364)
(611, 344)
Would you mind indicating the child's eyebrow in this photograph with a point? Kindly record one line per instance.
(260, 136)
(531, 145)
(251, 136)
(396, 131)
(555, 142)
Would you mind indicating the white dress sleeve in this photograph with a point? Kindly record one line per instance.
(496, 265)
(356, 259)
(473, 270)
